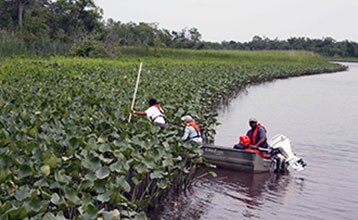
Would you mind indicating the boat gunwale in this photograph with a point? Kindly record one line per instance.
(232, 150)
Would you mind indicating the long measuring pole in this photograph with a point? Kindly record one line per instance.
(135, 91)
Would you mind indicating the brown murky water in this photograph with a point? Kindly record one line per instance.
(320, 115)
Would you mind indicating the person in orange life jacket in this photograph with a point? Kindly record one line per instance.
(257, 134)
(191, 131)
(154, 113)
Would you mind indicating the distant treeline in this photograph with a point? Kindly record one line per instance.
(76, 27)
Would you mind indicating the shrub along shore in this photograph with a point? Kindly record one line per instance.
(67, 150)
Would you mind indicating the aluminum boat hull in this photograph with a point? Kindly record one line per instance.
(236, 159)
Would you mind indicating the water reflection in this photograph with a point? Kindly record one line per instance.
(248, 185)
(229, 195)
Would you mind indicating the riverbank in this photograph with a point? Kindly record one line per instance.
(342, 59)
(66, 145)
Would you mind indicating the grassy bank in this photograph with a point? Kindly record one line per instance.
(342, 59)
(67, 150)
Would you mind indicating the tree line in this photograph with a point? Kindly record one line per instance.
(76, 27)
(326, 46)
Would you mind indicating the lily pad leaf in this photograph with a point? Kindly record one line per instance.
(123, 184)
(19, 213)
(141, 168)
(71, 195)
(55, 199)
(102, 173)
(105, 148)
(92, 143)
(25, 171)
(156, 175)
(49, 216)
(22, 193)
(135, 180)
(108, 215)
(141, 216)
(105, 197)
(92, 211)
(74, 142)
(35, 205)
(117, 167)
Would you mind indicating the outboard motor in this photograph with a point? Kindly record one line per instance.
(282, 152)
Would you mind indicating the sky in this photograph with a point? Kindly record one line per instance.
(240, 20)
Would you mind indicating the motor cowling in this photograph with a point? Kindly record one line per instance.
(281, 148)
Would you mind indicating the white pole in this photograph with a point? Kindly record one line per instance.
(135, 91)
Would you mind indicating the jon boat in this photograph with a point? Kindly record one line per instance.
(236, 159)
(281, 157)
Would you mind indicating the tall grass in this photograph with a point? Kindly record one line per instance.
(13, 45)
(217, 55)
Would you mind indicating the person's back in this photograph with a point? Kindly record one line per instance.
(154, 113)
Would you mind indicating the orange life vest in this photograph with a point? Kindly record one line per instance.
(255, 133)
(261, 154)
(196, 127)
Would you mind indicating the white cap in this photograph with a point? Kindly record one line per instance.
(252, 120)
(187, 118)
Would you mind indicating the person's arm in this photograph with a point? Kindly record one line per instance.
(138, 113)
(262, 136)
(186, 134)
(261, 141)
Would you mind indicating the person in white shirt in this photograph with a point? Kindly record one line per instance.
(155, 113)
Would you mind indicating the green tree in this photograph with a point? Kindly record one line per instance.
(21, 6)
(36, 26)
(74, 19)
(14, 10)
(8, 15)
(194, 35)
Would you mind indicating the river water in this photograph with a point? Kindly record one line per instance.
(320, 115)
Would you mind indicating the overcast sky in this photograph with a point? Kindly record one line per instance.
(240, 20)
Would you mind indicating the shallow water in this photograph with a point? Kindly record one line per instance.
(320, 115)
